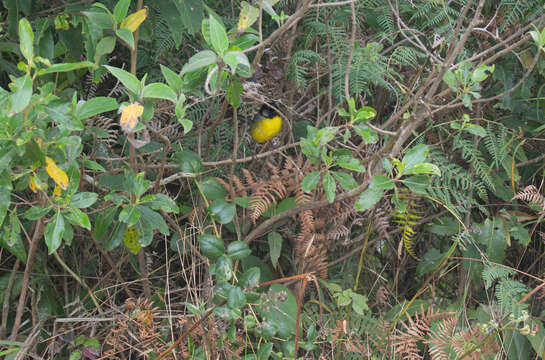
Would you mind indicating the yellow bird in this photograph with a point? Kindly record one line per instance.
(265, 125)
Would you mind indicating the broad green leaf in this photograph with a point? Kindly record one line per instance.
(345, 180)
(234, 90)
(350, 163)
(160, 202)
(418, 183)
(100, 19)
(190, 162)
(144, 229)
(238, 250)
(475, 130)
(64, 67)
(250, 277)
(21, 97)
(368, 199)
(368, 135)
(236, 298)
(83, 200)
(366, 113)
(173, 79)
(280, 308)
(155, 220)
(159, 91)
(450, 79)
(104, 47)
(78, 218)
(310, 181)
(235, 59)
(36, 212)
(120, 9)
(212, 188)
(53, 233)
(423, 168)
(329, 186)
(127, 36)
(116, 237)
(480, 73)
(26, 39)
(5, 200)
(199, 60)
(211, 246)
(275, 247)
(103, 222)
(359, 303)
(224, 268)
(95, 106)
(129, 80)
(218, 36)
(415, 156)
(130, 214)
(222, 211)
(381, 182)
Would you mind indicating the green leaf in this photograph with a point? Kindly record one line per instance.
(366, 113)
(418, 183)
(236, 298)
(78, 218)
(475, 130)
(350, 163)
(190, 162)
(480, 73)
(129, 215)
(83, 200)
(450, 79)
(329, 186)
(218, 36)
(264, 351)
(423, 168)
(161, 202)
(21, 97)
(53, 233)
(234, 90)
(154, 219)
(103, 222)
(26, 39)
(310, 181)
(104, 47)
(211, 246)
(5, 200)
(359, 303)
(346, 180)
(65, 67)
(381, 182)
(159, 91)
(95, 106)
(173, 79)
(275, 247)
(187, 125)
(415, 156)
(250, 277)
(368, 135)
(280, 308)
(222, 211)
(368, 199)
(235, 59)
(100, 19)
(199, 60)
(120, 9)
(238, 250)
(129, 80)
(212, 189)
(127, 36)
(114, 240)
(224, 268)
(36, 212)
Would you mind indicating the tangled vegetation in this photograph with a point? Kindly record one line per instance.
(396, 215)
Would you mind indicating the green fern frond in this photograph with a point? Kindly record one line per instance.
(407, 219)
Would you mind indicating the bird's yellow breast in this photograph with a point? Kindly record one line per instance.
(266, 128)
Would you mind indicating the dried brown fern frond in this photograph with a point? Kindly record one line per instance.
(107, 129)
(440, 339)
(415, 331)
(531, 194)
(468, 339)
(266, 195)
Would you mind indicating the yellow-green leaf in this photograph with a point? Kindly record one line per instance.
(133, 21)
(130, 239)
(56, 173)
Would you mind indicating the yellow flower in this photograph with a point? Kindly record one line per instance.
(56, 173)
(130, 115)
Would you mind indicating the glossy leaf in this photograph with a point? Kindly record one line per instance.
(65, 67)
(26, 39)
(222, 211)
(159, 91)
(329, 186)
(133, 21)
(95, 106)
(199, 60)
(211, 246)
(129, 80)
(56, 173)
(275, 247)
(53, 233)
(238, 250)
(218, 36)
